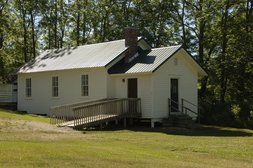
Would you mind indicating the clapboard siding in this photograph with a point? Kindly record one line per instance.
(5, 92)
(187, 81)
(111, 85)
(69, 89)
(144, 91)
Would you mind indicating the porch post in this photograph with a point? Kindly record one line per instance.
(152, 123)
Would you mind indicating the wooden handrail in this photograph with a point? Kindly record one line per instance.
(95, 114)
(63, 113)
(192, 103)
(95, 111)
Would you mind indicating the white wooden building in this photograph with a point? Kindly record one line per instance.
(8, 92)
(117, 69)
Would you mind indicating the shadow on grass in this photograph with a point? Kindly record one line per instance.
(8, 106)
(13, 112)
(204, 131)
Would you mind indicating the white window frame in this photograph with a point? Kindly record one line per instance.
(28, 87)
(85, 85)
(55, 86)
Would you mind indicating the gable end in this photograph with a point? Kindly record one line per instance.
(167, 59)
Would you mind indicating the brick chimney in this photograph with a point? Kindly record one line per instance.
(131, 41)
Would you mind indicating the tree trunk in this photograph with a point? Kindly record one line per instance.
(223, 65)
(55, 25)
(2, 74)
(78, 24)
(24, 35)
(33, 34)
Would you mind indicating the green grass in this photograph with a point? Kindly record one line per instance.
(136, 146)
(9, 114)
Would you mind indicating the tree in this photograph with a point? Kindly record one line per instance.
(3, 21)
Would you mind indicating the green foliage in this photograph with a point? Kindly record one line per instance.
(217, 113)
(226, 114)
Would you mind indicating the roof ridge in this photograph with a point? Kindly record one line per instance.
(106, 42)
(175, 46)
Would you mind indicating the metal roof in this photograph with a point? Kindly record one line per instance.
(87, 56)
(147, 61)
(102, 55)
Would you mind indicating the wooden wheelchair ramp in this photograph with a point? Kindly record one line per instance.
(95, 113)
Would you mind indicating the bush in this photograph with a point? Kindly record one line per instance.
(226, 114)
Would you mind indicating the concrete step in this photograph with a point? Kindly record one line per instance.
(182, 121)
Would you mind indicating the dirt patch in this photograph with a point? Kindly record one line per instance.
(23, 126)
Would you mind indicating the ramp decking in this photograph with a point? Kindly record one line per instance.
(90, 121)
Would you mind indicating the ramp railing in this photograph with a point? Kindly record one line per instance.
(101, 112)
(96, 111)
(63, 113)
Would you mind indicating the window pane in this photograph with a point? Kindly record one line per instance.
(84, 85)
(55, 86)
(28, 87)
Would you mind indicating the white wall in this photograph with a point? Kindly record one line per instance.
(187, 81)
(144, 91)
(69, 89)
(111, 85)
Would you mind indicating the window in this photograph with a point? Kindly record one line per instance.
(55, 86)
(85, 85)
(28, 87)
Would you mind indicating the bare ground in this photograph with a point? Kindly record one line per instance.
(16, 125)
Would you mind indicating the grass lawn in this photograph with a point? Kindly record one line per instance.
(135, 146)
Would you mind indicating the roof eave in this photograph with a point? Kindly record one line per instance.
(53, 70)
(137, 73)
(123, 52)
(201, 71)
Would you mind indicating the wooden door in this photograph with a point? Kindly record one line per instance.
(132, 93)
(132, 88)
(174, 94)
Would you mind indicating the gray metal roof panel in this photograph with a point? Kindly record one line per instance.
(87, 56)
(147, 61)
